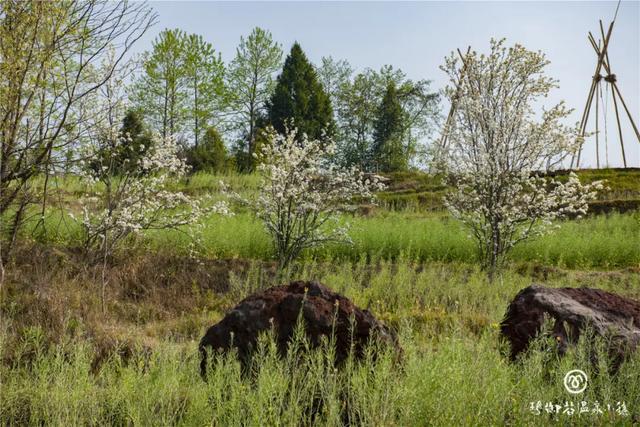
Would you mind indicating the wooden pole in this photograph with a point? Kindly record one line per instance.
(583, 121)
(585, 116)
(635, 129)
(447, 123)
(615, 105)
(597, 131)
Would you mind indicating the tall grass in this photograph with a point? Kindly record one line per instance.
(452, 371)
(605, 242)
(595, 242)
(458, 381)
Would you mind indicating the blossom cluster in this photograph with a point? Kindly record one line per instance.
(303, 190)
(497, 147)
(138, 199)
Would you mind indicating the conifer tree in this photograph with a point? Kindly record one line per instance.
(389, 153)
(300, 97)
(210, 155)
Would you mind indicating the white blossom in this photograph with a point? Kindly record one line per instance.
(302, 193)
(132, 199)
(498, 147)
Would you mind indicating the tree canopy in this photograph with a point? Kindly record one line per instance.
(300, 97)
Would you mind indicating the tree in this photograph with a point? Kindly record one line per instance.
(389, 153)
(250, 81)
(211, 155)
(49, 57)
(334, 75)
(357, 105)
(137, 141)
(204, 71)
(129, 199)
(161, 90)
(498, 146)
(302, 191)
(141, 139)
(300, 97)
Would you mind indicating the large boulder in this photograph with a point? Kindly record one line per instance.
(324, 312)
(572, 310)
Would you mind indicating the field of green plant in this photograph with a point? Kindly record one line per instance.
(64, 362)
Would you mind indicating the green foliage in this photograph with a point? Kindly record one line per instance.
(210, 155)
(204, 72)
(160, 90)
(358, 101)
(389, 152)
(125, 158)
(250, 84)
(299, 96)
(140, 143)
(181, 89)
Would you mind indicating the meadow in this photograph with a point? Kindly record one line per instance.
(64, 362)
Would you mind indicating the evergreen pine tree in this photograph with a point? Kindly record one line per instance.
(210, 155)
(125, 157)
(389, 153)
(299, 96)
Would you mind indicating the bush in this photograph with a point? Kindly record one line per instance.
(210, 155)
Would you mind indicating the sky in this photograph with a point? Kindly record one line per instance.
(416, 36)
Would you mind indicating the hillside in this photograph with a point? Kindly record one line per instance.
(419, 190)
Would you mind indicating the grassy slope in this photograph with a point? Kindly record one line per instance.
(65, 363)
(452, 371)
(611, 241)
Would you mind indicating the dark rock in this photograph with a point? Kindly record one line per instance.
(573, 310)
(324, 312)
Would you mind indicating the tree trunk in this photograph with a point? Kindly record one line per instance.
(195, 111)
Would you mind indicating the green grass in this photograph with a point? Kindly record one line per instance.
(607, 242)
(462, 381)
(611, 241)
(595, 242)
(452, 371)
(415, 270)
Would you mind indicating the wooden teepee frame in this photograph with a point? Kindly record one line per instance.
(447, 124)
(611, 79)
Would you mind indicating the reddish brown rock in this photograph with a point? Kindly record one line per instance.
(324, 312)
(573, 309)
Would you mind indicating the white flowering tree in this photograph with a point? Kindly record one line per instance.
(303, 191)
(499, 148)
(125, 201)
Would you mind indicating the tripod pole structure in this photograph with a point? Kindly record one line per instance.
(594, 83)
(616, 91)
(454, 101)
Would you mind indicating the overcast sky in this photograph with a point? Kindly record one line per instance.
(416, 36)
